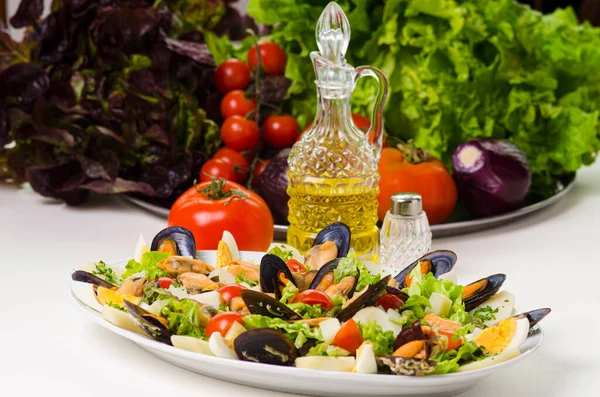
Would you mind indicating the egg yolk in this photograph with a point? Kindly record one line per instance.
(496, 338)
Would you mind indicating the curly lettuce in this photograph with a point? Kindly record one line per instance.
(459, 70)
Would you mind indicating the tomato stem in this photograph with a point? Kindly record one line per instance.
(413, 154)
(258, 73)
(216, 190)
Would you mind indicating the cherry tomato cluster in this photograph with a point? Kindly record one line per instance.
(240, 131)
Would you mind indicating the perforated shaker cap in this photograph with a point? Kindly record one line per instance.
(406, 204)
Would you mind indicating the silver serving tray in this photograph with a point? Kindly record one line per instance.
(442, 230)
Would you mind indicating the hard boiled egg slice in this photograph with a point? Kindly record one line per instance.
(191, 344)
(85, 293)
(324, 363)
(106, 295)
(450, 276)
(121, 319)
(382, 319)
(231, 244)
(506, 335)
(219, 347)
(499, 307)
(140, 248)
(365, 359)
(329, 328)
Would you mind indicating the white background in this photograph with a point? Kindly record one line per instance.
(48, 348)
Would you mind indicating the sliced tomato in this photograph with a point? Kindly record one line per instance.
(165, 282)
(348, 337)
(230, 291)
(295, 266)
(222, 322)
(452, 344)
(389, 301)
(314, 297)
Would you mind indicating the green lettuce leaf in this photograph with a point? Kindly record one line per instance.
(460, 70)
(148, 265)
(383, 341)
(281, 252)
(288, 293)
(451, 360)
(323, 349)
(242, 278)
(298, 332)
(183, 318)
(153, 293)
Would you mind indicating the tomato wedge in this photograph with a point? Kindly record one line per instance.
(314, 297)
(348, 337)
(295, 266)
(222, 322)
(389, 301)
(452, 344)
(230, 291)
(165, 282)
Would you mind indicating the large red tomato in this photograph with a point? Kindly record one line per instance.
(212, 207)
(429, 178)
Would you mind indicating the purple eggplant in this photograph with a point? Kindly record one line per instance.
(492, 176)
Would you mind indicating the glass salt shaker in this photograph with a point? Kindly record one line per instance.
(405, 234)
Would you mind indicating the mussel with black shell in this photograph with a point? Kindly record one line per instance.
(156, 327)
(274, 275)
(86, 277)
(437, 262)
(266, 346)
(265, 305)
(324, 281)
(367, 297)
(175, 240)
(481, 290)
(406, 366)
(331, 242)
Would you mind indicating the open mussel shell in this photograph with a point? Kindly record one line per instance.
(176, 238)
(481, 290)
(274, 274)
(329, 267)
(86, 277)
(267, 346)
(337, 232)
(440, 261)
(265, 305)
(406, 366)
(368, 298)
(149, 323)
(534, 316)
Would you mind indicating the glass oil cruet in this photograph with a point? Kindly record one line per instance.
(333, 168)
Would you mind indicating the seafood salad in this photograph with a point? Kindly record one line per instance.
(326, 310)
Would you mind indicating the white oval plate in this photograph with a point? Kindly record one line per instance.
(307, 381)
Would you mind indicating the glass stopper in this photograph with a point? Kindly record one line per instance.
(333, 33)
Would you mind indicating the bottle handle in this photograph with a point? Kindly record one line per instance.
(375, 133)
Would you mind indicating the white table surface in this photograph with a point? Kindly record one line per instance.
(49, 348)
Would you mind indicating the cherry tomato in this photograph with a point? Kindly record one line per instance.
(232, 75)
(165, 282)
(295, 266)
(272, 57)
(222, 322)
(361, 122)
(280, 131)
(217, 169)
(206, 213)
(430, 179)
(235, 103)
(348, 337)
(230, 291)
(237, 160)
(258, 169)
(239, 133)
(452, 344)
(314, 297)
(389, 301)
(390, 155)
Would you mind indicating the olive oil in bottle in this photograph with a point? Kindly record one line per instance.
(333, 168)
